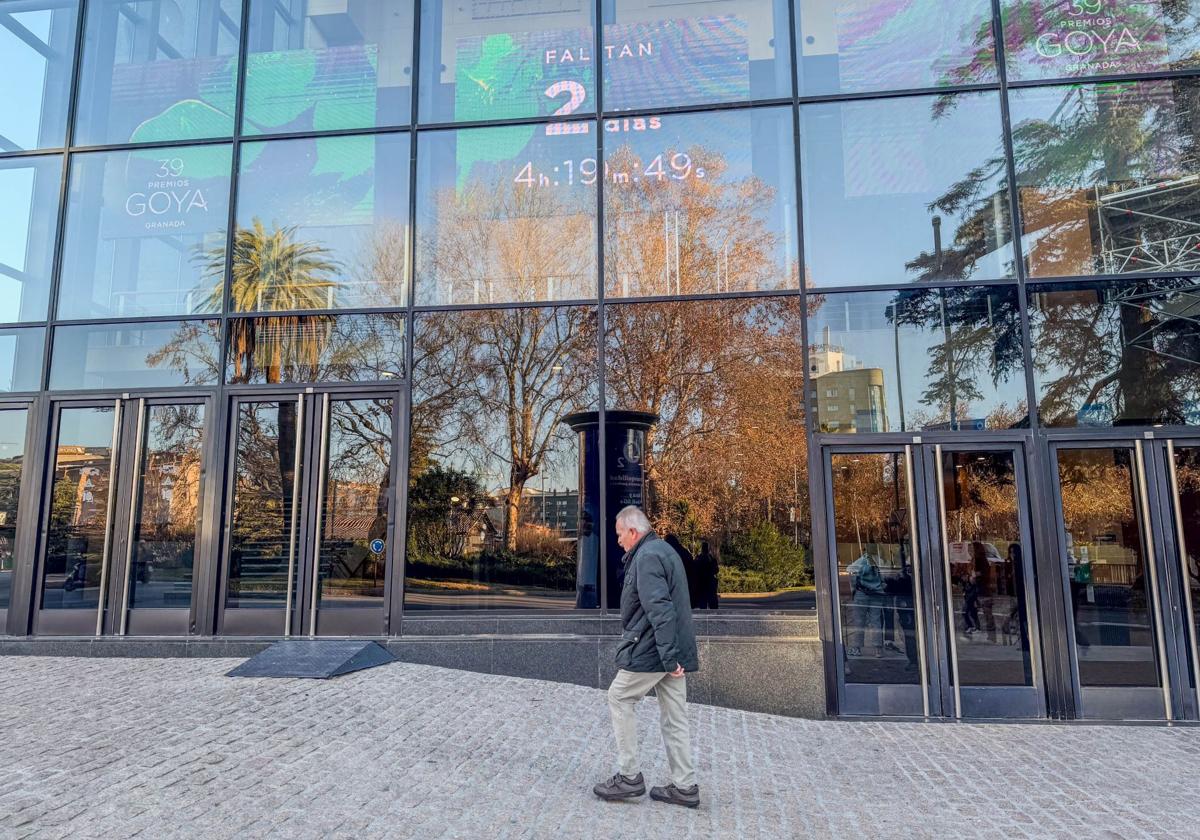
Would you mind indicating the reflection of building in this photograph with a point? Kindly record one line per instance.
(557, 510)
(848, 396)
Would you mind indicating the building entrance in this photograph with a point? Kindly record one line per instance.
(930, 549)
(1128, 515)
(309, 545)
(121, 516)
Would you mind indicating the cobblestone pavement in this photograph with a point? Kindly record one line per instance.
(164, 748)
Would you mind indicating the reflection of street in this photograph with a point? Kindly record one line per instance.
(490, 597)
(790, 599)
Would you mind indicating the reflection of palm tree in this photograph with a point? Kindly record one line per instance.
(272, 271)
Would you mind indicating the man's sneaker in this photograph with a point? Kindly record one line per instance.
(687, 797)
(621, 787)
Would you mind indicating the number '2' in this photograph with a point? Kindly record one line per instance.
(578, 95)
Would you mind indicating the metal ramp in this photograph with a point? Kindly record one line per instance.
(317, 659)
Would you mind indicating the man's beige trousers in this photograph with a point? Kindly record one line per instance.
(628, 687)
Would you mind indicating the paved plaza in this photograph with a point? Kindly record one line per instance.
(172, 748)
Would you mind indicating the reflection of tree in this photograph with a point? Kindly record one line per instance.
(1097, 492)
(498, 241)
(1132, 346)
(869, 489)
(728, 451)
(492, 386)
(688, 231)
(980, 339)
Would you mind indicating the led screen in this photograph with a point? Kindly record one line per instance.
(1047, 39)
(851, 46)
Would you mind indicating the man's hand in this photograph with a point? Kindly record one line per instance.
(678, 672)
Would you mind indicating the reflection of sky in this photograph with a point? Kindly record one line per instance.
(119, 357)
(870, 170)
(25, 82)
(12, 433)
(849, 46)
(859, 325)
(90, 427)
(21, 359)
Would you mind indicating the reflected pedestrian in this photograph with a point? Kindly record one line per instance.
(690, 568)
(709, 568)
(657, 649)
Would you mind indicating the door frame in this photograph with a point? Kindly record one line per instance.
(113, 615)
(881, 698)
(1120, 702)
(973, 701)
(15, 618)
(296, 617)
(939, 696)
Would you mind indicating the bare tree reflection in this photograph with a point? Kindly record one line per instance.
(727, 461)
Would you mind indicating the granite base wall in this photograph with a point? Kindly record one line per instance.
(757, 664)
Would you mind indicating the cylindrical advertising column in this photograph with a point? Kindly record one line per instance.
(625, 440)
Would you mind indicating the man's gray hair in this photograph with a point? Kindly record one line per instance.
(632, 517)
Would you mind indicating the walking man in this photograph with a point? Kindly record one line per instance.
(657, 649)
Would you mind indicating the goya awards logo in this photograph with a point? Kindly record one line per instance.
(1090, 37)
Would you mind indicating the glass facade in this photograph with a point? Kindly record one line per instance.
(425, 312)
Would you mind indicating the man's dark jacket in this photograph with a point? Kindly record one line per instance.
(656, 612)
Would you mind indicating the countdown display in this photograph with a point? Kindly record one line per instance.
(699, 203)
(513, 74)
(1060, 38)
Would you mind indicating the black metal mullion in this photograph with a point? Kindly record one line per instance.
(601, 316)
(398, 565)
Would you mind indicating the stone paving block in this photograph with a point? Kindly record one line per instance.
(118, 748)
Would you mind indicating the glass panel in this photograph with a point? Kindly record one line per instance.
(929, 359)
(1047, 39)
(12, 459)
(78, 527)
(1106, 178)
(672, 54)
(721, 463)
(497, 475)
(324, 66)
(495, 61)
(987, 571)
(354, 518)
(28, 221)
(854, 46)
(506, 214)
(146, 233)
(316, 348)
(21, 359)
(1187, 485)
(157, 70)
(1117, 354)
(37, 50)
(905, 189)
(700, 203)
(1106, 568)
(322, 224)
(167, 510)
(876, 582)
(261, 527)
(146, 355)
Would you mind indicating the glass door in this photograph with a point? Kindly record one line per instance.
(930, 549)
(983, 534)
(877, 562)
(1110, 559)
(121, 517)
(311, 513)
(1182, 460)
